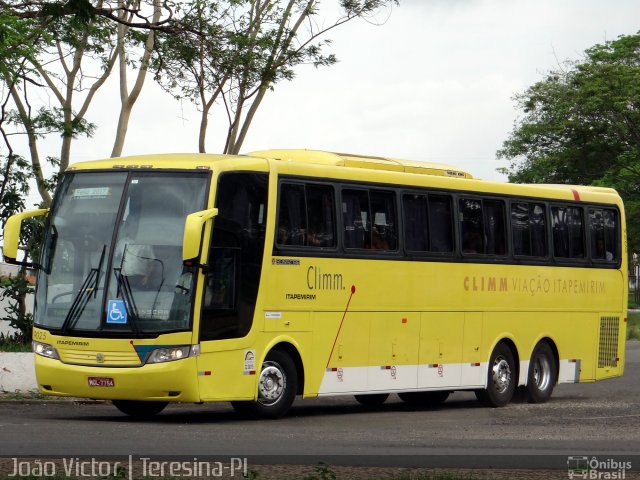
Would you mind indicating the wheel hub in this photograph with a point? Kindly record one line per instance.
(271, 384)
(501, 375)
(542, 373)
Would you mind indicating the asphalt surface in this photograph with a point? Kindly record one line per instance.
(587, 420)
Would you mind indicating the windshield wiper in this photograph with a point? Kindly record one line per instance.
(89, 286)
(129, 303)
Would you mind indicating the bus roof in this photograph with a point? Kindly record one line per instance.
(260, 160)
(362, 161)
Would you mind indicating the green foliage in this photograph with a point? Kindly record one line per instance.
(633, 326)
(13, 343)
(581, 125)
(16, 313)
(14, 186)
(323, 472)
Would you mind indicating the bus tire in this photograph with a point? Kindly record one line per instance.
(277, 387)
(542, 377)
(372, 399)
(501, 378)
(139, 408)
(425, 398)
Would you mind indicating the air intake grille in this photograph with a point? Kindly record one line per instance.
(608, 347)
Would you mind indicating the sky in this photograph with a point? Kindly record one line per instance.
(430, 80)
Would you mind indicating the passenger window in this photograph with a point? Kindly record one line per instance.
(528, 229)
(494, 227)
(603, 229)
(428, 223)
(306, 216)
(383, 214)
(471, 226)
(441, 222)
(416, 223)
(482, 226)
(568, 232)
(369, 219)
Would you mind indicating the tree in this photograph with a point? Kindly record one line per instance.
(73, 47)
(581, 125)
(237, 50)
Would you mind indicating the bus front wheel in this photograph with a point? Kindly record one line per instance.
(139, 409)
(542, 376)
(277, 386)
(501, 378)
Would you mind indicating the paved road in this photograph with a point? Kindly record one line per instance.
(600, 419)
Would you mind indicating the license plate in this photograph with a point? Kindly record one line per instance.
(101, 382)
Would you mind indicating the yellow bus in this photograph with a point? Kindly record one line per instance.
(257, 278)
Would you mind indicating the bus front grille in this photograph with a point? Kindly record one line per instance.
(100, 359)
(608, 344)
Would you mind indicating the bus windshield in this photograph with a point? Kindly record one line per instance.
(112, 256)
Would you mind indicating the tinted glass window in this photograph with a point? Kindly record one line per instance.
(471, 226)
(356, 219)
(568, 232)
(428, 223)
(306, 216)
(441, 223)
(383, 215)
(235, 256)
(528, 229)
(603, 232)
(416, 223)
(369, 219)
(494, 227)
(292, 215)
(482, 226)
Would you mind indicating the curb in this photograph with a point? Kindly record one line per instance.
(17, 372)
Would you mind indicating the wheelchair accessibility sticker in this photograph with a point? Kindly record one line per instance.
(116, 312)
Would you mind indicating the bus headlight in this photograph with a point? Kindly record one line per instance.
(45, 350)
(169, 354)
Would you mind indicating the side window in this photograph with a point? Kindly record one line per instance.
(603, 233)
(428, 223)
(292, 215)
(471, 226)
(482, 226)
(568, 232)
(383, 214)
(235, 256)
(441, 222)
(416, 223)
(494, 227)
(528, 229)
(356, 219)
(306, 216)
(369, 219)
(321, 223)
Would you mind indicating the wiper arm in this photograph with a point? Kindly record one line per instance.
(89, 286)
(129, 303)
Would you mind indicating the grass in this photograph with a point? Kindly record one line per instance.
(632, 300)
(8, 344)
(633, 326)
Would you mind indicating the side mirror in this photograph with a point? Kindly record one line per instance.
(192, 240)
(12, 233)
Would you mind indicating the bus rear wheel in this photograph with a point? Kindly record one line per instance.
(425, 398)
(372, 399)
(277, 387)
(542, 376)
(138, 408)
(501, 378)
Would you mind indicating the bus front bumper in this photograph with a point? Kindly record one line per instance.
(170, 381)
